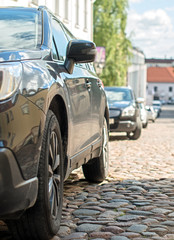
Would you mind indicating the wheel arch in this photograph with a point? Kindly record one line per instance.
(58, 107)
(106, 115)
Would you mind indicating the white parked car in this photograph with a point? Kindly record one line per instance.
(151, 113)
(143, 112)
(157, 107)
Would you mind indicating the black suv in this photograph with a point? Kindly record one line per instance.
(53, 118)
(124, 111)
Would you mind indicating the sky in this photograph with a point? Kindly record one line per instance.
(150, 27)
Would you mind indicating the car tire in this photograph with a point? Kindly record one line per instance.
(96, 169)
(145, 125)
(42, 221)
(137, 133)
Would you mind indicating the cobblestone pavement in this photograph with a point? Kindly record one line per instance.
(137, 199)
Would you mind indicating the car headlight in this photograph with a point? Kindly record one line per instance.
(128, 111)
(10, 78)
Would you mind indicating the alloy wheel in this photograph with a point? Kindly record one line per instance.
(105, 147)
(54, 174)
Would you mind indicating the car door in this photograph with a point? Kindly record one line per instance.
(97, 104)
(79, 97)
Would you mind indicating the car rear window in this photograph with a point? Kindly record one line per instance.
(19, 29)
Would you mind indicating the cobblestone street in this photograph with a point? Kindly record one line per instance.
(136, 201)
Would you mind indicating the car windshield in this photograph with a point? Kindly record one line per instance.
(19, 29)
(118, 95)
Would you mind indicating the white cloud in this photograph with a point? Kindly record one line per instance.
(171, 9)
(152, 32)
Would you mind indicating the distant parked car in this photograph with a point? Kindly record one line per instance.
(170, 101)
(54, 118)
(157, 107)
(163, 102)
(124, 111)
(152, 114)
(143, 112)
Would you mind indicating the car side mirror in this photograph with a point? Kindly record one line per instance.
(79, 51)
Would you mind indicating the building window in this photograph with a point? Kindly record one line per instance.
(67, 9)
(170, 89)
(155, 89)
(77, 12)
(85, 15)
(57, 7)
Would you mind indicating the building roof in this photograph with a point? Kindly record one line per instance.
(160, 74)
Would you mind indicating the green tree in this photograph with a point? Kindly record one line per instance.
(110, 18)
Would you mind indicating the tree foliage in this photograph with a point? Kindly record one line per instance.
(110, 18)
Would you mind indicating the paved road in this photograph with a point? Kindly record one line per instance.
(137, 200)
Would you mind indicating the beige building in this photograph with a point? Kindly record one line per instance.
(161, 83)
(137, 73)
(77, 15)
(160, 79)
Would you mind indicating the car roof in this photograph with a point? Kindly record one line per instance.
(29, 9)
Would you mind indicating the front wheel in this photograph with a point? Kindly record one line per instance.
(42, 221)
(137, 132)
(96, 169)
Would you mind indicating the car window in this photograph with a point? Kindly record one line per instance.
(62, 36)
(60, 39)
(69, 35)
(91, 67)
(54, 50)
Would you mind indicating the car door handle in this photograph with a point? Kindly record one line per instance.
(88, 84)
(99, 82)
